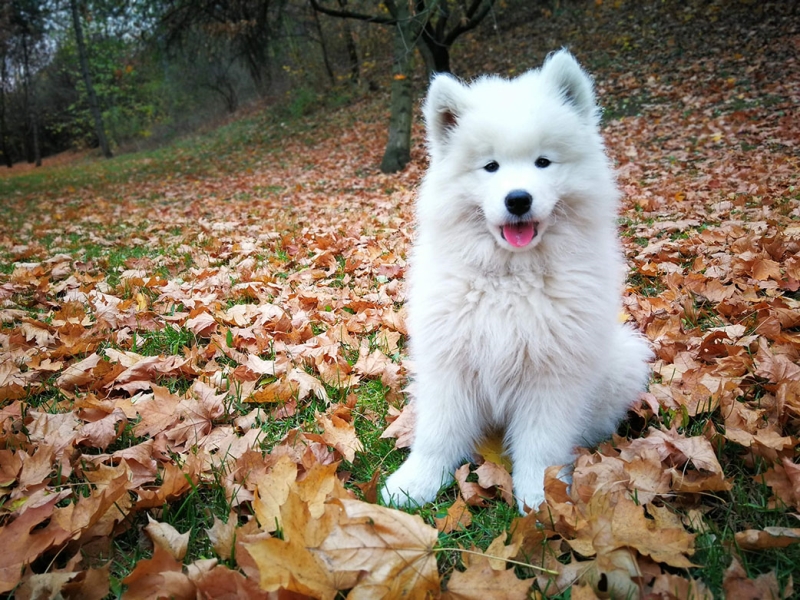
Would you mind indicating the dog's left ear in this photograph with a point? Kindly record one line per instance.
(444, 106)
(574, 84)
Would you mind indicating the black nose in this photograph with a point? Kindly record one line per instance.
(518, 202)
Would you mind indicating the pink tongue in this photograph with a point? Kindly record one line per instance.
(519, 234)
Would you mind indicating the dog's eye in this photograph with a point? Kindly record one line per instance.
(542, 162)
(491, 166)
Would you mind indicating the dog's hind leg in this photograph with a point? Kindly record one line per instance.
(626, 374)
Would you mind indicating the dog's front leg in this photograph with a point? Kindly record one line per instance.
(541, 434)
(445, 433)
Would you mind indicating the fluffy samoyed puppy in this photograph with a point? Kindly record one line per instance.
(515, 282)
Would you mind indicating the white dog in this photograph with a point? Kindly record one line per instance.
(515, 281)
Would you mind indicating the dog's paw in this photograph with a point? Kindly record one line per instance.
(528, 494)
(410, 487)
(529, 503)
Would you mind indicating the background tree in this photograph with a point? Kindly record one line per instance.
(248, 25)
(27, 23)
(432, 26)
(5, 44)
(94, 107)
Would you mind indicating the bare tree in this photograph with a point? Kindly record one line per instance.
(249, 25)
(432, 26)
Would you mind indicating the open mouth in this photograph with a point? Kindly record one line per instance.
(519, 235)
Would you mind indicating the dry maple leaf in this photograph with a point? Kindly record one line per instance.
(480, 581)
(491, 474)
(620, 523)
(340, 434)
(222, 535)
(222, 583)
(401, 426)
(174, 484)
(737, 586)
(458, 517)
(784, 480)
(271, 492)
(391, 552)
(104, 506)
(166, 536)
(291, 563)
(23, 540)
(159, 577)
(158, 412)
(472, 493)
(769, 537)
(674, 587)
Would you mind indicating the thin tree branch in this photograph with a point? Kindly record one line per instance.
(347, 14)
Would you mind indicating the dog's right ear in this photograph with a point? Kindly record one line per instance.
(443, 108)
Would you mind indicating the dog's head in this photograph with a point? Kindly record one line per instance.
(513, 150)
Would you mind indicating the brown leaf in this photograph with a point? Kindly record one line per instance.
(23, 540)
(102, 432)
(92, 584)
(620, 523)
(402, 427)
(674, 587)
(491, 474)
(80, 373)
(784, 480)
(457, 517)
(157, 412)
(482, 582)
(222, 536)
(106, 505)
(769, 537)
(737, 586)
(158, 577)
(222, 583)
(174, 484)
(472, 493)
(341, 435)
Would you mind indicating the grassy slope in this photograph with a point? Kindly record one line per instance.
(670, 80)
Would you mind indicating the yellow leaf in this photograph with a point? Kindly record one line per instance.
(492, 449)
(271, 493)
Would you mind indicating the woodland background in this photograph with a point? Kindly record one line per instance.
(202, 340)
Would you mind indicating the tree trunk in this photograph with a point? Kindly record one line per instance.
(94, 107)
(34, 154)
(325, 61)
(398, 147)
(436, 54)
(352, 51)
(37, 147)
(3, 130)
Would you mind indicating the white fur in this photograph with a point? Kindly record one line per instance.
(526, 340)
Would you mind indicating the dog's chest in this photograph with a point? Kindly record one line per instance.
(519, 323)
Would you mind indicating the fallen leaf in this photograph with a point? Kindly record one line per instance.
(769, 537)
(166, 536)
(457, 517)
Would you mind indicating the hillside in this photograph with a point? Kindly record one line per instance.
(202, 346)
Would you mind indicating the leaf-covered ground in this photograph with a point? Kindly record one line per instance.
(202, 349)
